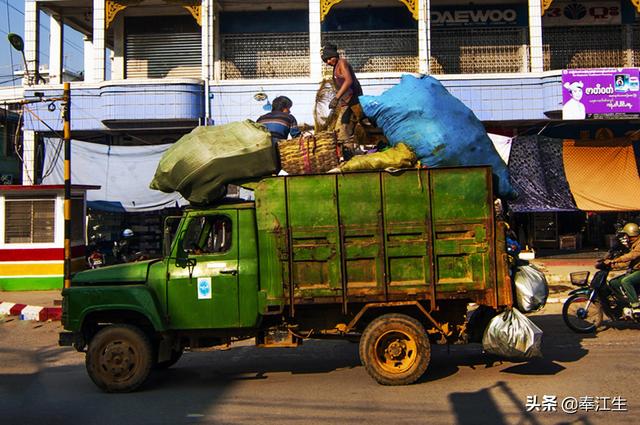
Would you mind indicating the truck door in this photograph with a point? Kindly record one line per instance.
(202, 287)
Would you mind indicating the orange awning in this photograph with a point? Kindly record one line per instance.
(602, 174)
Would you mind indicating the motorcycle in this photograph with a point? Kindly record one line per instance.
(584, 310)
(95, 259)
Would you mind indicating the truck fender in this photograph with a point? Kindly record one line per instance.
(438, 328)
(117, 301)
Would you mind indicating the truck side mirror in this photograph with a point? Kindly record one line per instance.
(186, 262)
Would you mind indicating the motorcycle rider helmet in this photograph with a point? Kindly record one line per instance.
(127, 233)
(631, 229)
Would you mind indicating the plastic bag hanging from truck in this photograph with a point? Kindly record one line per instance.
(511, 334)
(531, 289)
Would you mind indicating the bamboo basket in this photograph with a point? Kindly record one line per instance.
(309, 154)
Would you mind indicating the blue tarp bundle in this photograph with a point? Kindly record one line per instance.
(421, 113)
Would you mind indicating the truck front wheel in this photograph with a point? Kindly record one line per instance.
(395, 350)
(119, 358)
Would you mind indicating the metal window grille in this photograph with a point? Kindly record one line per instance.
(583, 47)
(29, 221)
(377, 51)
(277, 55)
(635, 45)
(479, 51)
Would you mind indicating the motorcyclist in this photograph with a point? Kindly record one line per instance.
(122, 248)
(626, 283)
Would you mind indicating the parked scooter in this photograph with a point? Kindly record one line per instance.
(584, 310)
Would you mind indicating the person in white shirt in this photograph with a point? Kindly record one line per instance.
(574, 109)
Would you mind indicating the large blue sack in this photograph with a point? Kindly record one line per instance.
(442, 131)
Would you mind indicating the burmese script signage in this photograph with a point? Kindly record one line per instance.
(600, 93)
(576, 13)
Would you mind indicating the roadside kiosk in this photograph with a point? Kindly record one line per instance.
(32, 235)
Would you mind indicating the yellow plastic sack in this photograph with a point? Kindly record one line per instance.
(399, 156)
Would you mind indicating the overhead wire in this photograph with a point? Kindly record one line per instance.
(58, 148)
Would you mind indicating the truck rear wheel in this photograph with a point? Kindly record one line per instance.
(119, 358)
(395, 350)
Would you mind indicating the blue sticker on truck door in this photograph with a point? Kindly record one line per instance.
(204, 288)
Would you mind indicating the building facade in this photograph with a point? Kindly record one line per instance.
(155, 69)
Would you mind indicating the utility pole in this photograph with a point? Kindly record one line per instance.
(66, 134)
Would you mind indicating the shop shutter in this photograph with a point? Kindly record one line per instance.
(168, 55)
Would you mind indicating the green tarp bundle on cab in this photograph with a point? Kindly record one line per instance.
(203, 162)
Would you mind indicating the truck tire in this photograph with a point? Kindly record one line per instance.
(119, 358)
(395, 350)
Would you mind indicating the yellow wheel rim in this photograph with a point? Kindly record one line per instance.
(396, 351)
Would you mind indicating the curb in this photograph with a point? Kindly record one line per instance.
(30, 312)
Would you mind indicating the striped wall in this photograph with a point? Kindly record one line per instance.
(31, 269)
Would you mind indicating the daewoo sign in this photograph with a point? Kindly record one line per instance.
(481, 16)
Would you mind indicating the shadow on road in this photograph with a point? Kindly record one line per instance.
(466, 407)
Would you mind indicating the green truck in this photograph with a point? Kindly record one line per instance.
(391, 259)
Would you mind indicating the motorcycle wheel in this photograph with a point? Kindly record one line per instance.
(577, 318)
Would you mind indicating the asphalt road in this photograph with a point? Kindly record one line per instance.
(323, 382)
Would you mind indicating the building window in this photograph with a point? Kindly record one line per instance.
(265, 44)
(373, 39)
(29, 221)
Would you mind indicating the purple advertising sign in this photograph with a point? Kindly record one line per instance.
(600, 92)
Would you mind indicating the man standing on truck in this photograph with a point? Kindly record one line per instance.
(348, 89)
(279, 121)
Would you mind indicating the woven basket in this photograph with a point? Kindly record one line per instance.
(309, 154)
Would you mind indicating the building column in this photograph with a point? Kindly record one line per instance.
(88, 59)
(535, 36)
(56, 33)
(628, 48)
(28, 157)
(424, 36)
(98, 66)
(31, 40)
(216, 43)
(117, 67)
(206, 40)
(315, 40)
